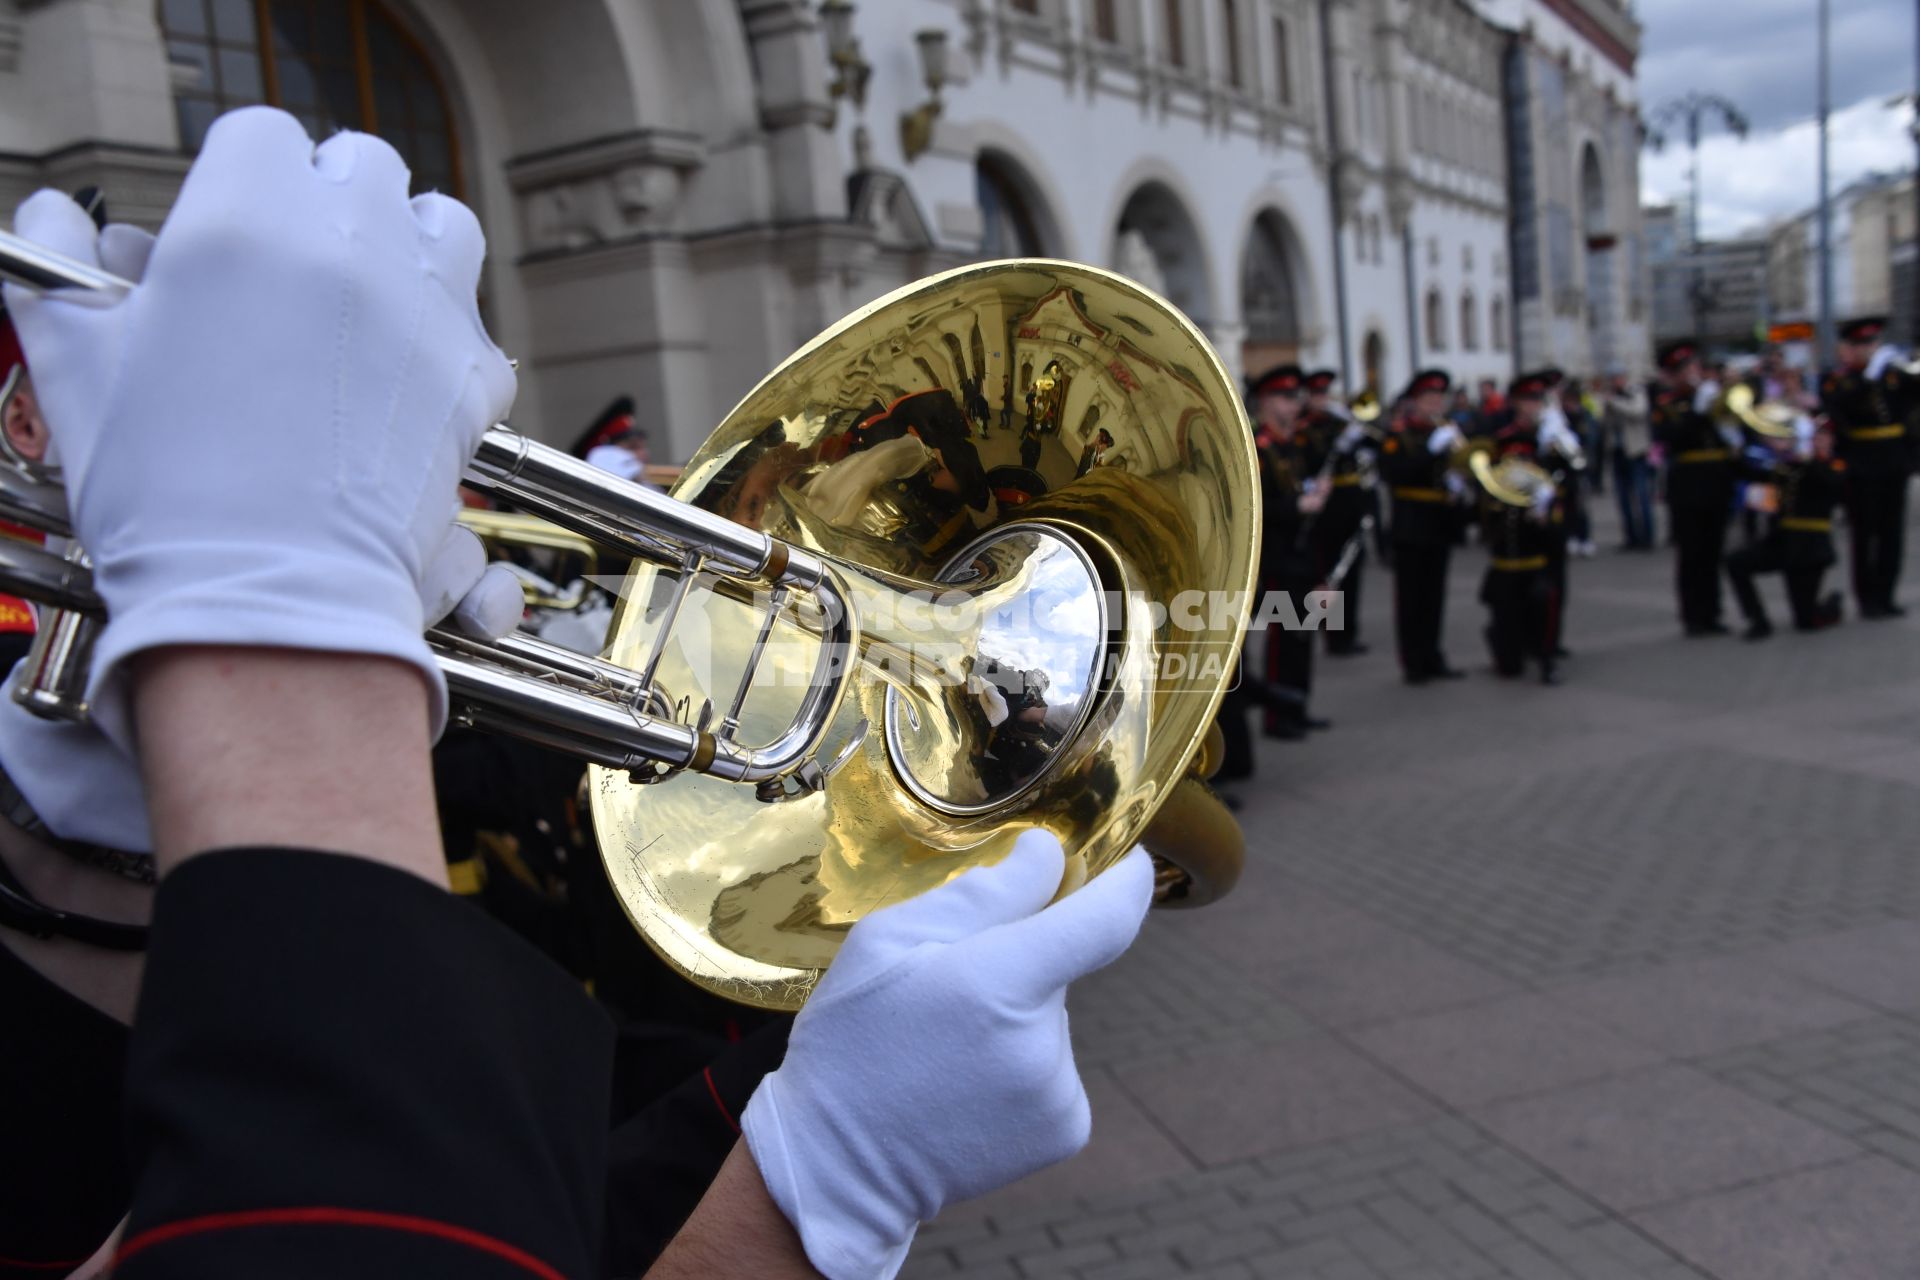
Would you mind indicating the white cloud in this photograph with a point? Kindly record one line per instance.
(1746, 185)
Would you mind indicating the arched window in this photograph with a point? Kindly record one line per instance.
(1282, 63)
(1230, 32)
(334, 64)
(1436, 321)
(1173, 28)
(1009, 227)
(1498, 324)
(1106, 21)
(1469, 323)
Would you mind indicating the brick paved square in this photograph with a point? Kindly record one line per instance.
(1660, 1135)
(1707, 1006)
(1231, 1104)
(1879, 964)
(1518, 1045)
(1851, 1221)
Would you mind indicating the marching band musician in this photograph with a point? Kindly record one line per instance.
(1288, 502)
(1416, 465)
(1871, 401)
(1698, 456)
(263, 700)
(1348, 451)
(1520, 590)
(1801, 482)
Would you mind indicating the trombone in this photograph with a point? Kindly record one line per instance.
(802, 645)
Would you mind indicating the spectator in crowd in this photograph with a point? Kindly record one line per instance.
(1625, 412)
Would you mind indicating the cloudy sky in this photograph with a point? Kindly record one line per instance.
(1761, 56)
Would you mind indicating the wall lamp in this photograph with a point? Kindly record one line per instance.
(916, 126)
(851, 71)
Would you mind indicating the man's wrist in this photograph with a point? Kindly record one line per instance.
(261, 747)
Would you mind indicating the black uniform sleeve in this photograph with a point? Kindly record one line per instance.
(338, 1069)
(663, 1158)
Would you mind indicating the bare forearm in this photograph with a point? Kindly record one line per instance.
(736, 1231)
(258, 747)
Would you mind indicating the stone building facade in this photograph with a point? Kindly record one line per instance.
(678, 193)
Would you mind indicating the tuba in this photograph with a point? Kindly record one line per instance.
(866, 640)
(1513, 481)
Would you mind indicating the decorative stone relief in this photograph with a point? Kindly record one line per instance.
(578, 198)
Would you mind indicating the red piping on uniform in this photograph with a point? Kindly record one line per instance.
(713, 1091)
(327, 1216)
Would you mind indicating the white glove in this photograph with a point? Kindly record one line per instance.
(1882, 357)
(1350, 438)
(261, 442)
(1444, 438)
(85, 788)
(932, 1063)
(1704, 397)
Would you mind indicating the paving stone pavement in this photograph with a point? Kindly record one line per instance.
(1616, 979)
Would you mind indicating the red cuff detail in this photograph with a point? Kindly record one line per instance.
(327, 1216)
(713, 1090)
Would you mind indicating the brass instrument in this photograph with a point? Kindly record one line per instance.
(1771, 419)
(1515, 480)
(562, 581)
(1365, 407)
(841, 571)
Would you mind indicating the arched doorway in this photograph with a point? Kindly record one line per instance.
(1158, 244)
(1014, 219)
(1269, 295)
(333, 64)
(1373, 363)
(1597, 230)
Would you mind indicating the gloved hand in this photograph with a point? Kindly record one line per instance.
(1882, 357)
(1705, 397)
(932, 1063)
(261, 441)
(85, 788)
(1445, 438)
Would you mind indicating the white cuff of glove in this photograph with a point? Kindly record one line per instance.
(1444, 438)
(1882, 357)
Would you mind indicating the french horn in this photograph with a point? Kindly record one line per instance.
(904, 603)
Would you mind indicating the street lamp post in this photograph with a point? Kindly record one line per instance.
(1697, 110)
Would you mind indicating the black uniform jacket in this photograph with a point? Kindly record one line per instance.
(339, 1070)
(1283, 471)
(1810, 489)
(1872, 419)
(1416, 480)
(1699, 462)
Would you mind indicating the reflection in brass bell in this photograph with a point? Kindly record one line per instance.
(1015, 468)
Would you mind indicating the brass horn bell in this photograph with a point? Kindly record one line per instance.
(1049, 453)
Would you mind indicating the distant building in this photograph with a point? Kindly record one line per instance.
(1580, 278)
(1874, 226)
(1716, 294)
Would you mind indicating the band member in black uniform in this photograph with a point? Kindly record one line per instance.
(1287, 470)
(1699, 467)
(1347, 450)
(1871, 400)
(1520, 590)
(1416, 468)
(1802, 483)
(336, 1066)
(1555, 445)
